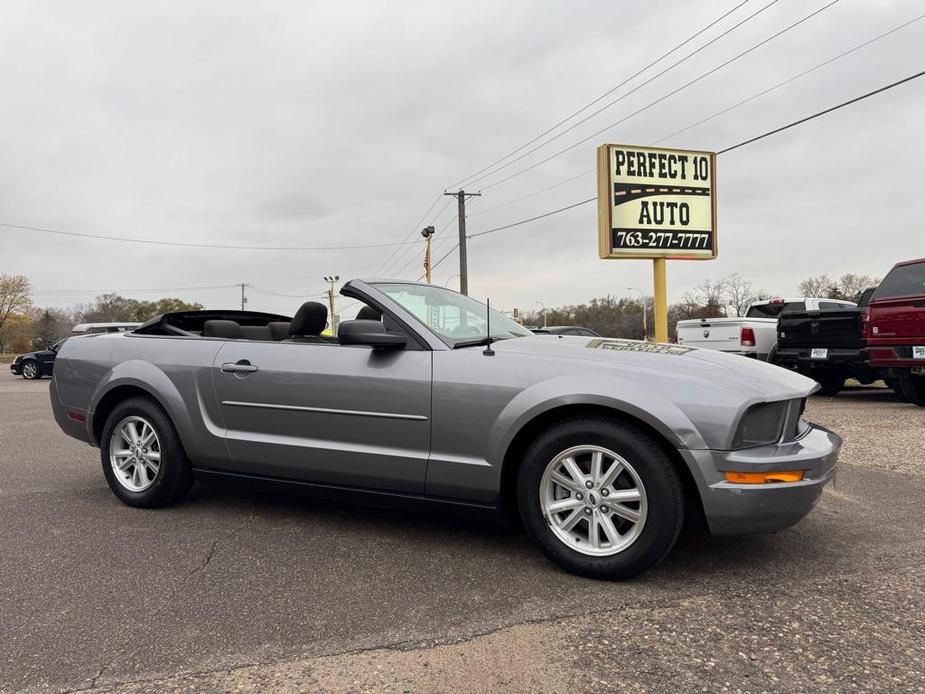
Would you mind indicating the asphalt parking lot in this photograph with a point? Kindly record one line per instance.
(233, 590)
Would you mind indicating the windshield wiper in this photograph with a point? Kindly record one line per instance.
(478, 341)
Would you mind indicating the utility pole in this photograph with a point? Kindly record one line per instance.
(243, 298)
(463, 262)
(331, 279)
(427, 233)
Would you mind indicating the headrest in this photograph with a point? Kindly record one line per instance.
(222, 328)
(279, 330)
(369, 313)
(310, 319)
(255, 332)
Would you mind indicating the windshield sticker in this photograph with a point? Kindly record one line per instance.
(635, 346)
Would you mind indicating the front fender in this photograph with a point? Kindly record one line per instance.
(645, 404)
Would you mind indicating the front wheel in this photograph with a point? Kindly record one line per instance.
(601, 498)
(913, 389)
(143, 460)
(31, 370)
(831, 383)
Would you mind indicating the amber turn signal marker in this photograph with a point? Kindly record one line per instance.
(764, 477)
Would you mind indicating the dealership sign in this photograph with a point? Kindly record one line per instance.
(656, 203)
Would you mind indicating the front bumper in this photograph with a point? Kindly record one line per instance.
(16, 368)
(800, 356)
(739, 509)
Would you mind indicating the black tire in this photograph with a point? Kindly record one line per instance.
(34, 367)
(772, 355)
(895, 385)
(663, 490)
(174, 476)
(830, 383)
(913, 389)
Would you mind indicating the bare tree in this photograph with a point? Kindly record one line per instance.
(820, 286)
(15, 296)
(740, 294)
(712, 295)
(850, 286)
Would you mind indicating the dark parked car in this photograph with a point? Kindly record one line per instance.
(828, 344)
(896, 339)
(36, 364)
(565, 330)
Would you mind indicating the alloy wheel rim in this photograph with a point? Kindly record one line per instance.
(29, 370)
(593, 500)
(135, 453)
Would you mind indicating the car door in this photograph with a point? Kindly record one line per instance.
(327, 413)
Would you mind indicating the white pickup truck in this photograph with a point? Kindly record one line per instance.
(752, 335)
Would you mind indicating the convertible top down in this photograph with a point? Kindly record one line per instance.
(599, 445)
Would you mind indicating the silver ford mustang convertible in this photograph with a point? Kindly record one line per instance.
(600, 446)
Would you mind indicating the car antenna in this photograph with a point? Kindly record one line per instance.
(488, 351)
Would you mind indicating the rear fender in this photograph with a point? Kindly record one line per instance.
(202, 437)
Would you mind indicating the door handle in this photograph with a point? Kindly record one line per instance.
(237, 367)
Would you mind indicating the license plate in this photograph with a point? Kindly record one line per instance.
(818, 353)
(918, 352)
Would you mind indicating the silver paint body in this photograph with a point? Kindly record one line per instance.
(437, 422)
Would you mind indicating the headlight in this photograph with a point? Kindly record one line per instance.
(762, 425)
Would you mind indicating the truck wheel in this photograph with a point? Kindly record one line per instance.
(913, 389)
(895, 385)
(601, 498)
(772, 355)
(831, 383)
(31, 370)
(143, 460)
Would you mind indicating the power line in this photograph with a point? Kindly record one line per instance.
(663, 98)
(182, 244)
(79, 292)
(448, 254)
(533, 219)
(636, 74)
(408, 238)
(631, 91)
(791, 79)
(727, 149)
(396, 257)
(724, 111)
(288, 296)
(822, 113)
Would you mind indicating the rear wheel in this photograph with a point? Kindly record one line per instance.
(913, 389)
(600, 497)
(143, 460)
(830, 383)
(31, 370)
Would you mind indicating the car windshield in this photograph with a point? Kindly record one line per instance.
(453, 316)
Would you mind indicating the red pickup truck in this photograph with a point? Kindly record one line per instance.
(896, 328)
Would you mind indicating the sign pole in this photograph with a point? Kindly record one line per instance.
(660, 284)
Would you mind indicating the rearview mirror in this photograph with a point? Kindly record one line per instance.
(369, 332)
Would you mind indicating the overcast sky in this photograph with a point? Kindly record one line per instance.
(340, 123)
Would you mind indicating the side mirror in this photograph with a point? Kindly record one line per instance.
(369, 332)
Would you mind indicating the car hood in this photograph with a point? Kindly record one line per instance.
(635, 358)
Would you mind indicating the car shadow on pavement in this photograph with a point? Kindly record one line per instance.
(695, 552)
